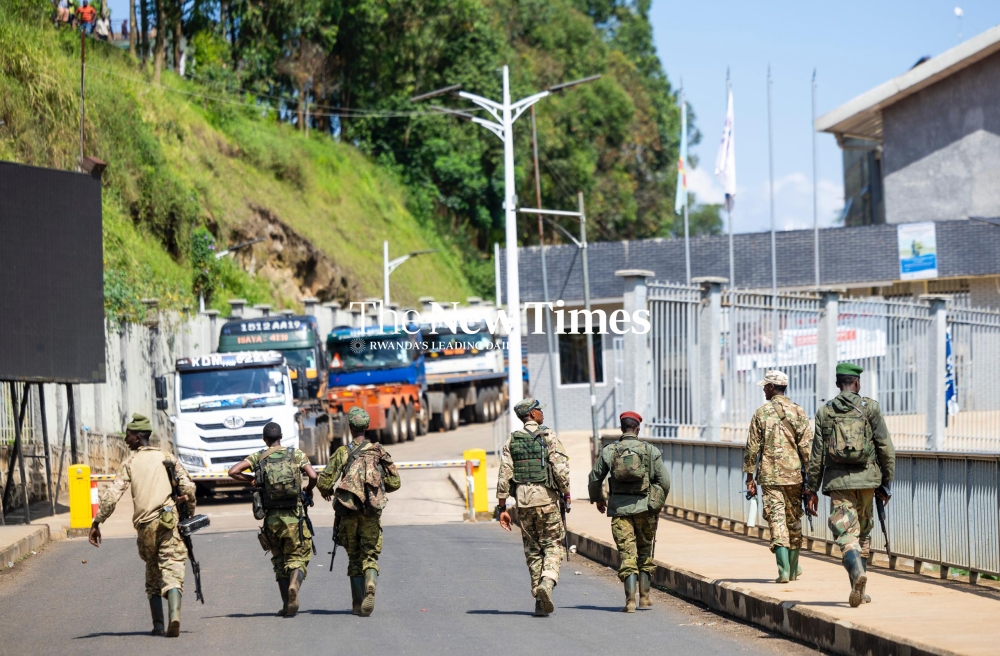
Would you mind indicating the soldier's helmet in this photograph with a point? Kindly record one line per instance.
(523, 407)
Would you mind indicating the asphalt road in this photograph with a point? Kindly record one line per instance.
(443, 588)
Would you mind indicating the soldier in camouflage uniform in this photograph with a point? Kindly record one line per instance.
(851, 482)
(155, 518)
(779, 437)
(285, 529)
(634, 505)
(535, 469)
(358, 477)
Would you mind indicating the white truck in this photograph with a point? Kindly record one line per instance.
(222, 402)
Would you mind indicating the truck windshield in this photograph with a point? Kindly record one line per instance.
(451, 345)
(300, 358)
(228, 388)
(371, 352)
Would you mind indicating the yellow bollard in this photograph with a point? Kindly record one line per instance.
(80, 507)
(479, 477)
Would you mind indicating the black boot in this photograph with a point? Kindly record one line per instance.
(368, 604)
(864, 566)
(630, 584)
(538, 609)
(543, 593)
(357, 593)
(294, 584)
(156, 610)
(174, 612)
(283, 588)
(856, 571)
(645, 583)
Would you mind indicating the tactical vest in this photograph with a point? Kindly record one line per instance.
(279, 479)
(531, 459)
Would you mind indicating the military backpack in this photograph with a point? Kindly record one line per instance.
(279, 478)
(531, 459)
(849, 435)
(630, 468)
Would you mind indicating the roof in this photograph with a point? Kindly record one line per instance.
(862, 116)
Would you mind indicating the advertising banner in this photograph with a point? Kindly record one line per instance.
(917, 251)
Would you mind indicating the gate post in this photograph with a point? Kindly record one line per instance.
(826, 348)
(710, 356)
(935, 375)
(635, 347)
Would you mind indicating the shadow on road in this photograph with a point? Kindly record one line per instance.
(113, 634)
(499, 612)
(607, 609)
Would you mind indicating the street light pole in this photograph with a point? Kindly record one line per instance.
(388, 266)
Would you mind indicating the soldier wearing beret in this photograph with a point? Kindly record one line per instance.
(358, 477)
(779, 437)
(535, 470)
(638, 487)
(852, 461)
(155, 519)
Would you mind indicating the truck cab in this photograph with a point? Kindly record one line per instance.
(222, 402)
(296, 337)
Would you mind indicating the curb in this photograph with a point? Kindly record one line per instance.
(788, 618)
(23, 547)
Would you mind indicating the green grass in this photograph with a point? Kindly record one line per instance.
(177, 161)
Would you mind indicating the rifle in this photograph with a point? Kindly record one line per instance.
(805, 502)
(336, 541)
(186, 527)
(880, 507)
(307, 501)
(563, 509)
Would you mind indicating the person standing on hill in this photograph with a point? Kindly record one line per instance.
(852, 461)
(639, 484)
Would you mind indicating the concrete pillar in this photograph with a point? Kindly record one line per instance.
(425, 303)
(709, 371)
(287, 313)
(264, 309)
(636, 347)
(935, 373)
(826, 348)
(213, 328)
(310, 303)
(236, 307)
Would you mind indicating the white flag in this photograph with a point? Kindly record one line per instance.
(725, 161)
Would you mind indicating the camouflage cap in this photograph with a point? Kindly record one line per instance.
(358, 418)
(139, 423)
(849, 369)
(774, 377)
(523, 407)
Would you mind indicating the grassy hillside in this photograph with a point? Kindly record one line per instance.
(180, 157)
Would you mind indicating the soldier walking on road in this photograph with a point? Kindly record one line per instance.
(358, 477)
(155, 518)
(535, 469)
(779, 436)
(278, 498)
(852, 460)
(638, 487)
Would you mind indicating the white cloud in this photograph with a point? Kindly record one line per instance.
(705, 187)
(793, 204)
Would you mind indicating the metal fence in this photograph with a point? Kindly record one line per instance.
(673, 310)
(945, 508)
(973, 420)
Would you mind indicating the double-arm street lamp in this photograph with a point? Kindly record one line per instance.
(504, 114)
(388, 266)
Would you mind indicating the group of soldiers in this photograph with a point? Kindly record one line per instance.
(848, 456)
(357, 479)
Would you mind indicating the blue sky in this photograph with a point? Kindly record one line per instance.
(854, 46)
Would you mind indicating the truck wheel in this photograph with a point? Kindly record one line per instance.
(410, 422)
(321, 440)
(453, 411)
(482, 400)
(492, 402)
(390, 433)
(423, 417)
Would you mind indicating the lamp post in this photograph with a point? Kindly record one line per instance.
(388, 266)
(505, 113)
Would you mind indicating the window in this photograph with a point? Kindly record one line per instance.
(573, 359)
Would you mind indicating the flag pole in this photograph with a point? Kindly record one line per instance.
(815, 201)
(729, 201)
(687, 235)
(774, 255)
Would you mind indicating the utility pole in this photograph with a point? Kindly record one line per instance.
(774, 255)
(83, 70)
(388, 266)
(504, 114)
(687, 235)
(815, 201)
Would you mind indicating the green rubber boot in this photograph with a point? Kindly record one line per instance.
(543, 593)
(856, 572)
(630, 585)
(794, 570)
(368, 604)
(645, 583)
(864, 566)
(156, 610)
(174, 612)
(283, 589)
(357, 594)
(538, 609)
(781, 556)
(294, 586)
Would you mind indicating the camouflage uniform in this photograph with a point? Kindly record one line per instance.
(282, 525)
(360, 497)
(542, 530)
(155, 516)
(783, 447)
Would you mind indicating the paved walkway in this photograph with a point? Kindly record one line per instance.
(945, 616)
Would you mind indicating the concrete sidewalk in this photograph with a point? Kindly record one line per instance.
(735, 574)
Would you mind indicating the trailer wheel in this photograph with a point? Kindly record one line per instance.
(491, 404)
(409, 422)
(482, 400)
(424, 417)
(454, 412)
(390, 433)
